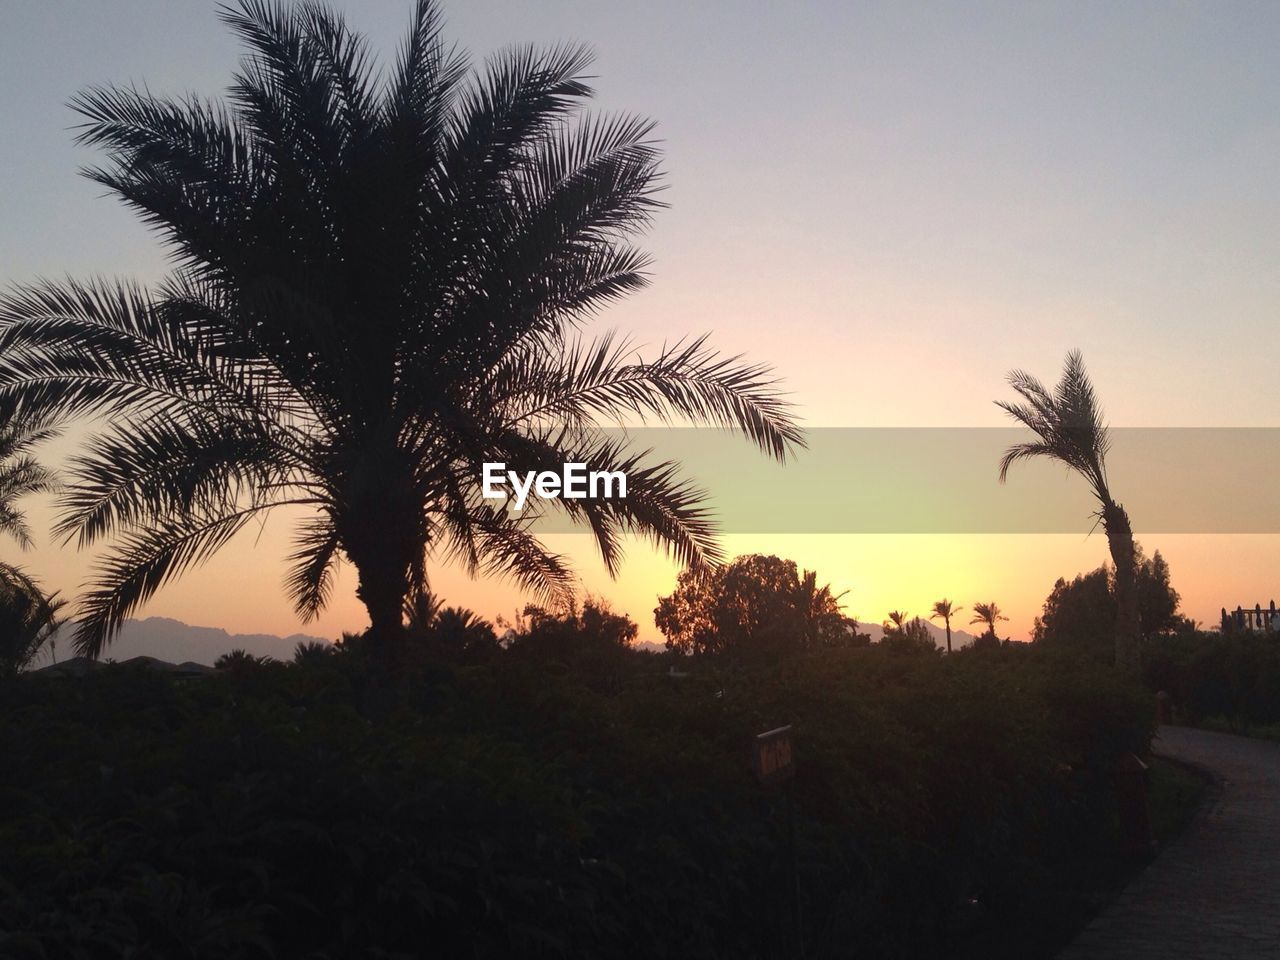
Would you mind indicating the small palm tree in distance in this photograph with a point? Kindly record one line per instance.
(989, 615)
(946, 610)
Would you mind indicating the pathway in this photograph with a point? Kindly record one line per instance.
(1215, 892)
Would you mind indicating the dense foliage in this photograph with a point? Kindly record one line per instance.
(906, 636)
(577, 802)
(1232, 678)
(1081, 613)
(758, 605)
(28, 620)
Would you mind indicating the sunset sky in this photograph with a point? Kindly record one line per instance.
(893, 203)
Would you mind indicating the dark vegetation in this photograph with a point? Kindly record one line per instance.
(1226, 681)
(1222, 679)
(562, 795)
(755, 605)
(1079, 615)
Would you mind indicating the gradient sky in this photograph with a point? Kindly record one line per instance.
(894, 203)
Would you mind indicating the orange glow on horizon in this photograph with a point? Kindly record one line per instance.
(240, 589)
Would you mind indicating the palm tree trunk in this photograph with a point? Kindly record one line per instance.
(947, 621)
(383, 586)
(1124, 555)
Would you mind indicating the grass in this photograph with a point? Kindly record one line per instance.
(1070, 893)
(1258, 731)
(1176, 793)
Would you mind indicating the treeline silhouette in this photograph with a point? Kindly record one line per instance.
(559, 793)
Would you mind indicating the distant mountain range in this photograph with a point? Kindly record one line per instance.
(176, 642)
(959, 638)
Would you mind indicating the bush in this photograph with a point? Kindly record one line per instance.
(1235, 677)
(506, 809)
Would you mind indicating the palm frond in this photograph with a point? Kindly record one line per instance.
(687, 381)
(139, 474)
(309, 581)
(504, 548)
(72, 348)
(1068, 421)
(142, 562)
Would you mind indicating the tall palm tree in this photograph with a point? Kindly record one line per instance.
(988, 614)
(379, 285)
(946, 610)
(1070, 428)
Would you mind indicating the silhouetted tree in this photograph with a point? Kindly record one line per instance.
(28, 620)
(21, 428)
(1081, 613)
(907, 636)
(240, 662)
(989, 615)
(312, 652)
(463, 635)
(453, 633)
(1071, 430)
(757, 603)
(421, 607)
(379, 285)
(1157, 600)
(946, 610)
(589, 634)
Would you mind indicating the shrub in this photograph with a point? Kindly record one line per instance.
(1233, 676)
(510, 808)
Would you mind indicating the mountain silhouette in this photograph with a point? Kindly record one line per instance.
(959, 638)
(176, 642)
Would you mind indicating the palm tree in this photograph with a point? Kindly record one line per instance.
(312, 652)
(240, 662)
(21, 428)
(28, 620)
(1070, 429)
(946, 610)
(988, 614)
(821, 614)
(454, 631)
(421, 609)
(894, 625)
(379, 285)
(907, 635)
(463, 634)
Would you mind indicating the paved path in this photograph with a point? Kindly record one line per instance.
(1215, 892)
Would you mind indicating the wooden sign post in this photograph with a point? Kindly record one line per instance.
(772, 756)
(774, 761)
